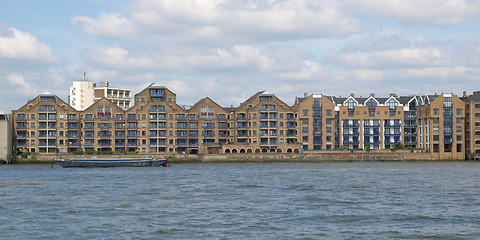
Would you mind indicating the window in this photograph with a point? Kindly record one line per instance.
(329, 138)
(436, 137)
(328, 121)
(477, 105)
(435, 129)
(436, 111)
(392, 113)
(459, 138)
(392, 103)
(305, 112)
(329, 112)
(350, 103)
(304, 121)
(304, 129)
(328, 129)
(305, 138)
(459, 120)
(351, 113)
(459, 129)
(459, 111)
(371, 113)
(447, 102)
(435, 120)
(32, 116)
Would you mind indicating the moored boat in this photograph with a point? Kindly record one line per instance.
(123, 162)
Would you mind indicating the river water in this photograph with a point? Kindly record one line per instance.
(356, 200)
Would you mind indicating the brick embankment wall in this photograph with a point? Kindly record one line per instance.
(319, 156)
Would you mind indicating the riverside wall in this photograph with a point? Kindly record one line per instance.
(310, 156)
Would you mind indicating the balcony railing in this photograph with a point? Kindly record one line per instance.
(241, 135)
(448, 140)
(23, 118)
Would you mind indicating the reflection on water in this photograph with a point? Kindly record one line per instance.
(369, 200)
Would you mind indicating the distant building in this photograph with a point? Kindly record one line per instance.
(5, 138)
(472, 124)
(119, 96)
(81, 94)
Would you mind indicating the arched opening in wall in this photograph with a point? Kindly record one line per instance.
(272, 150)
(289, 150)
(234, 150)
(279, 150)
(249, 150)
(242, 150)
(227, 150)
(257, 150)
(264, 150)
(296, 150)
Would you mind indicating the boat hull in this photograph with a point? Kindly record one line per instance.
(134, 162)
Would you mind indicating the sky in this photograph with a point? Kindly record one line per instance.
(229, 50)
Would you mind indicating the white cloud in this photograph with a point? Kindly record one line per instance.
(424, 12)
(18, 79)
(218, 22)
(108, 24)
(393, 58)
(19, 45)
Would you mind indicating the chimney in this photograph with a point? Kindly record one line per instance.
(393, 95)
(305, 94)
(464, 93)
(372, 94)
(352, 94)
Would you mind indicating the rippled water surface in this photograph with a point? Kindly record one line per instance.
(364, 200)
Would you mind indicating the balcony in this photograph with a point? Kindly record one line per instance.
(243, 126)
(317, 115)
(392, 134)
(103, 135)
(104, 143)
(351, 133)
(222, 118)
(273, 125)
(263, 143)
(88, 118)
(131, 143)
(153, 143)
(69, 144)
(181, 118)
(40, 126)
(291, 118)
(317, 124)
(447, 132)
(192, 118)
(317, 107)
(346, 142)
(242, 134)
(371, 133)
(39, 144)
(119, 119)
(131, 135)
(162, 135)
(68, 126)
(448, 140)
(119, 127)
(104, 126)
(410, 116)
(291, 134)
(131, 126)
(88, 127)
(291, 126)
(118, 135)
(88, 144)
(42, 135)
(241, 117)
(223, 135)
(71, 135)
(182, 143)
(263, 126)
(193, 143)
(23, 135)
(72, 118)
(87, 135)
(393, 125)
(317, 133)
(182, 135)
(24, 118)
(351, 125)
(448, 123)
(182, 126)
(208, 134)
(387, 142)
(210, 126)
(193, 135)
(162, 143)
(131, 118)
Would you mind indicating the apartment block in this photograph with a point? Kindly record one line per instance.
(5, 138)
(81, 94)
(119, 96)
(261, 124)
(441, 128)
(472, 124)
